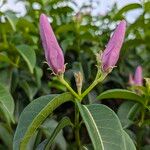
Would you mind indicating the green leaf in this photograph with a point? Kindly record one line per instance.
(6, 104)
(128, 142)
(103, 126)
(6, 136)
(29, 88)
(12, 19)
(34, 115)
(127, 8)
(6, 78)
(28, 55)
(121, 94)
(122, 113)
(5, 58)
(64, 122)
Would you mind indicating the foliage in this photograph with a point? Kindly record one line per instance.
(24, 77)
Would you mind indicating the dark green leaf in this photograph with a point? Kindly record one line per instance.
(121, 94)
(34, 115)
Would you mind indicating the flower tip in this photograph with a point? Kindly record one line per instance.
(138, 76)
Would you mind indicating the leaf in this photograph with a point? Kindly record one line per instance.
(6, 78)
(121, 94)
(34, 115)
(7, 139)
(38, 75)
(47, 128)
(126, 9)
(5, 58)
(128, 142)
(28, 55)
(29, 88)
(122, 113)
(6, 104)
(103, 126)
(12, 19)
(64, 122)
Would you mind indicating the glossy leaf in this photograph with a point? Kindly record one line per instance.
(103, 126)
(34, 115)
(121, 94)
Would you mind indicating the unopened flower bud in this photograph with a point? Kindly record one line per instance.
(110, 55)
(79, 81)
(53, 52)
(138, 79)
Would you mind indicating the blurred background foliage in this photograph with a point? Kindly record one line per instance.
(25, 76)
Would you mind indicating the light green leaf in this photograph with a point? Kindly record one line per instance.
(64, 122)
(103, 126)
(121, 94)
(34, 115)
(6, 104)
(28, 55)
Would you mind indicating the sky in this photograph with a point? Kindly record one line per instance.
(100, 7)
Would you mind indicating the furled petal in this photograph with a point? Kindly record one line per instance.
(53, 52)
(110, 55)
(138, 79)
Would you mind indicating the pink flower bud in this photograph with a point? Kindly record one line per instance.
(138, 79)
(53, 52)
(110, 55)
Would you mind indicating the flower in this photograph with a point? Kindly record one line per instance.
(110, 55)
(53, 52)
(137, 79)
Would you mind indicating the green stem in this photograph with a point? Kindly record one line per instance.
(68, 87)
(77, 128)
(95, 82)
(143, 113)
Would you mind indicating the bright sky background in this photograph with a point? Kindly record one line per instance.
(101, 7)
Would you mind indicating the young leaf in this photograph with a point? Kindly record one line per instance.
(121, 94)
(103, 126)
(34, 115)
(6, 104)
(28, 55)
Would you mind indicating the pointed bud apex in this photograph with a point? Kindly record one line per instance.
(53, 52)
(138, 79)
(131, 80)
(110, 55)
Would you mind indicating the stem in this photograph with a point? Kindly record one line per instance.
(143, 113)
(68, 86)
(95, 82)
(77, 128)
